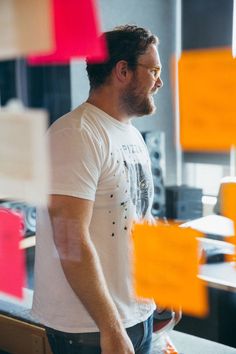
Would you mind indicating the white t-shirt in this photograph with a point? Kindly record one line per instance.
(95, 157)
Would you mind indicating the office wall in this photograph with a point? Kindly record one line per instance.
(159, 17)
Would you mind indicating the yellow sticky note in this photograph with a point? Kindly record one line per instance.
(207, 91)
(166, 262)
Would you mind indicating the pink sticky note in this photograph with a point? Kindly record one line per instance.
(77, 33)
(12, 261)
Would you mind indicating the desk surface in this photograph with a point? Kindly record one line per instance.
(219, 275)
(188, 344)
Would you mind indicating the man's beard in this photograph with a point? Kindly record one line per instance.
(136, 103)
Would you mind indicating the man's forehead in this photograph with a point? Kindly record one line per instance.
(152, 55)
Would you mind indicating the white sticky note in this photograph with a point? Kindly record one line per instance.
(24, 171)
(25, 27)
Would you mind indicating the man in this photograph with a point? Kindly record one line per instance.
(101, 183)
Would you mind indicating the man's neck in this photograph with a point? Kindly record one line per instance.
(108, 101)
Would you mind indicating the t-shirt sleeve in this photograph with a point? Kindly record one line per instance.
(75, 163)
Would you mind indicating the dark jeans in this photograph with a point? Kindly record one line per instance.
(89, 343)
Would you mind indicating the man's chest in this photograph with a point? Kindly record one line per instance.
(126, 176)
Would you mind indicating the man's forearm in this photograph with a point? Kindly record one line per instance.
(70, 219)
(86, 278)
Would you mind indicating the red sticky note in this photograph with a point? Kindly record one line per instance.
(77, 33)
(12, 262)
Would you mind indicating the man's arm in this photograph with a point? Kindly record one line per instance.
(70, 218)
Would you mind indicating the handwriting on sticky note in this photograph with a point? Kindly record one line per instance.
(77, 33)
(166, 267)
(12, 261)
(207, 115)
(23, 156)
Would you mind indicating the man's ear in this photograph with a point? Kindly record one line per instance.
(121, 70)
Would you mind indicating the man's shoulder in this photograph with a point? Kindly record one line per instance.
(79, 119)
(79, 125)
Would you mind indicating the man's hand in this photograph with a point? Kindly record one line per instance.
(118, 343)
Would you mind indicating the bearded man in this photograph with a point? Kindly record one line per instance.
(101, 183)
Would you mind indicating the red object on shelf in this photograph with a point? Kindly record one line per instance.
(12, 258)
(77, 33)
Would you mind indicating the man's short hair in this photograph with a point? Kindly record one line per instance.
(127, 43)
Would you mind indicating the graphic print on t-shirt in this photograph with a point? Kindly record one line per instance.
(140, 185)
(139, 178)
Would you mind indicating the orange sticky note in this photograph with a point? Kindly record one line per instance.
(166, 267)
(12, 265)
(228, 203)
(207, 92)
(228, 200)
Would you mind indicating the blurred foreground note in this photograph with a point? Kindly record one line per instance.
(166, 267)
(23, 156)
(207, 91)
(77, 33)
(12, 261)
(25, 27)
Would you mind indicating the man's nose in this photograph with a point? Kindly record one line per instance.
(159, 83)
